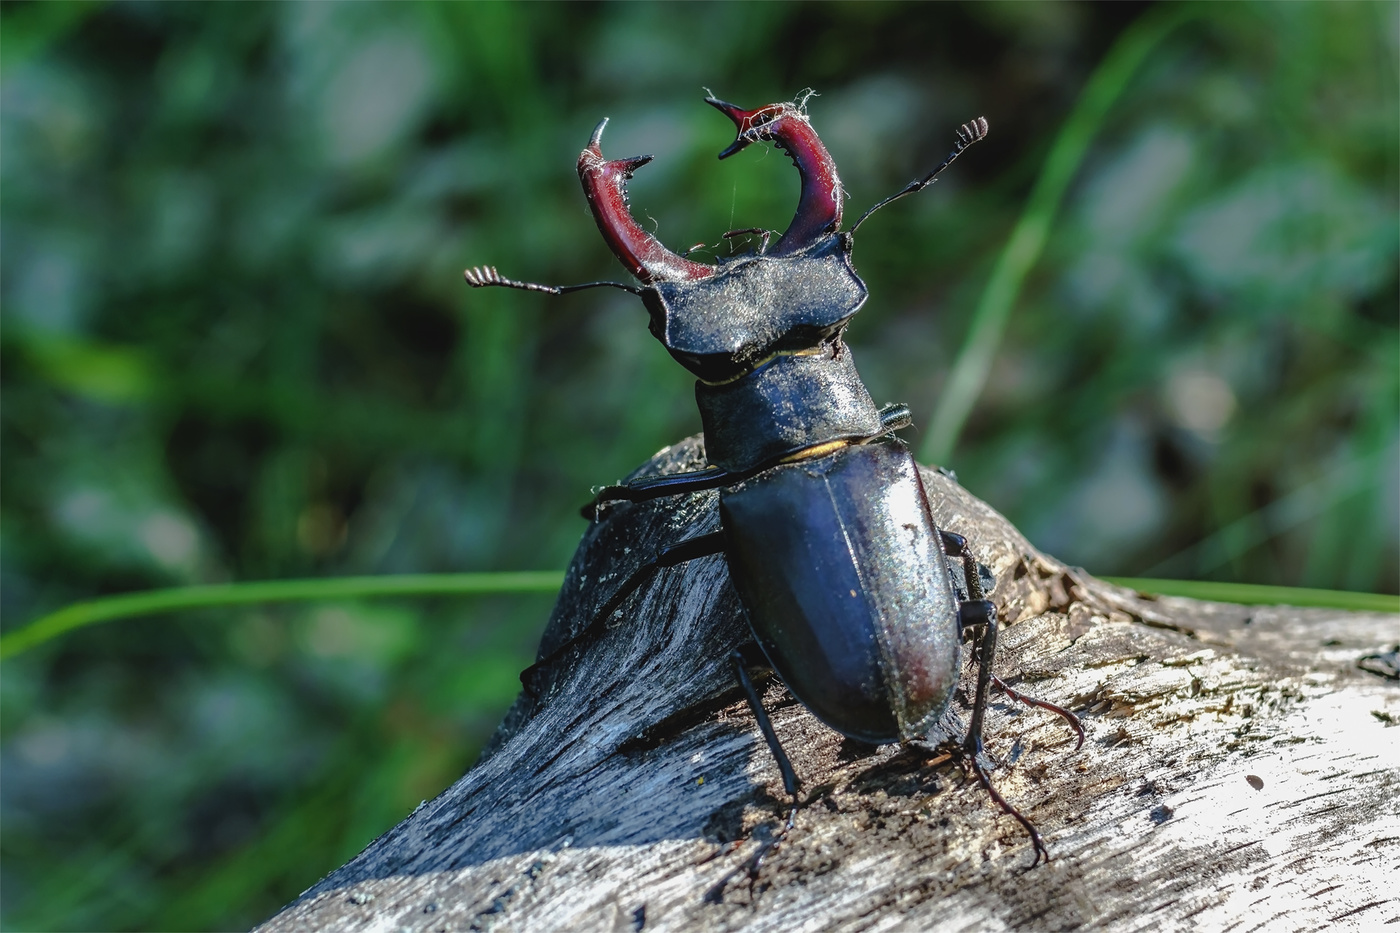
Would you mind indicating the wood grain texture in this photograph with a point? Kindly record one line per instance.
(1241, 771)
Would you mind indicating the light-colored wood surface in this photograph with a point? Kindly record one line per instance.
(1241, 772)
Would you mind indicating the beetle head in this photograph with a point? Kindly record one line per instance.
(722, 322)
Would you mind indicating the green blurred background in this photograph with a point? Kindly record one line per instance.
(237, 346)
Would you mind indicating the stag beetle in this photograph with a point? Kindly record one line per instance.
(856, 599)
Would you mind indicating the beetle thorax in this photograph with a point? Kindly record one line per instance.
(764, 337)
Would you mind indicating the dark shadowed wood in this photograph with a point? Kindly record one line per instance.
(1241, 771)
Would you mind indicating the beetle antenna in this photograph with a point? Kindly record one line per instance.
(969, 133)
(484, 276)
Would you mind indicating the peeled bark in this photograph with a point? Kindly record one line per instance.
(1241, 770)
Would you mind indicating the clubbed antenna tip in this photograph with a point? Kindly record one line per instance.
(970, 132)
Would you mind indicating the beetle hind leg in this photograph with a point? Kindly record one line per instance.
(956, 546)
(983, 614)
(740, 660)
(973, 749)
(979, 614)
(1029, 700)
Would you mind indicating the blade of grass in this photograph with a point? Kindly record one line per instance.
(1250, 594)
(1027, 241)
(153, 602)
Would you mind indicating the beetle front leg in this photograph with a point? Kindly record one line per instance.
(892, 418)
(659, 487)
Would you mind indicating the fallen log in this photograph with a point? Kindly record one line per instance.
(1241, 771)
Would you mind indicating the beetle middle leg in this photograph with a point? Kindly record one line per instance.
(740, 659)
(704, 545)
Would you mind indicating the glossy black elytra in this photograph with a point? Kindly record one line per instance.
(854, 596)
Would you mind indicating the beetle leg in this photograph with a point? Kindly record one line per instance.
(955, 545)
(691, 548)
(982, 614)
(739, 661)
(791, 784)
(1060, 711)
(658, 487)
(892, 418)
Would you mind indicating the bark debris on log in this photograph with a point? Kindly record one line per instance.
(1241, 771)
